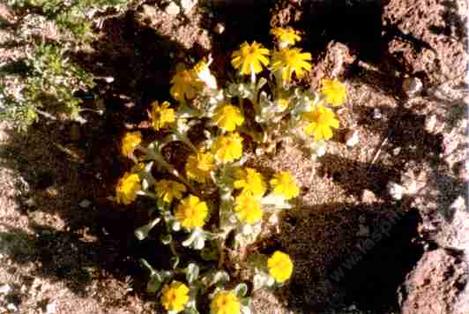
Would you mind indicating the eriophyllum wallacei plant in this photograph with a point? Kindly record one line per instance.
(211, 207)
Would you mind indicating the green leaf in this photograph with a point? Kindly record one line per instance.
(155, 282)
(241, 290)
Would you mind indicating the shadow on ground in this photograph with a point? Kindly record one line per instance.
(65, 164)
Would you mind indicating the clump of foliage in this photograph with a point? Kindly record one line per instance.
(209, 210)
(50, 80)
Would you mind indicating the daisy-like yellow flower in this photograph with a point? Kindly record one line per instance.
(284, 184)
(175, 296)
(250, 58)
(228, 147)
(250, 181)
(127, 188)
(162, 115)
(199, 166)
(228, 117)
(248, 208)
(320, 123)
(185, 85)
(130, 141)
(167, 190)
(191, 212)
(334, 92)
(285, 36)
(225, 302)
(291, 60)
(280, 266)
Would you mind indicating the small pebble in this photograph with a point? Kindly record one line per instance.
(85, 203)
(377, 115)
(5, 289)
(395, 190)
(219, 28)
(368, 197)
(172, 9)
(412, 86)
(187, 5)
(430, 123)
(396, 151)
(12, 308)
(352, 138)
(51, 308)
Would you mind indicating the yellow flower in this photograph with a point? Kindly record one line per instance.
(250, 181)
(291, 60)
(286, 36)
(334, 92)
(162, 115)
(228, 148)
(202, 71)
(175, 296)
(280, 266)
(130, 141)
(284, 184)
(250, 58)
(199, 166)
(127, 188)
(167, 190)
(225, 302)
(228, 117)
(191, 212)
(185, 85)
(248, 208)
(320, 123)
(283, 103)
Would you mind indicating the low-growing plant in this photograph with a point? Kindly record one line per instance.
(211, 209)
(51, 80)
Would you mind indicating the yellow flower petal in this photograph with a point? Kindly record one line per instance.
(127, 188)
(228, 117)
(291, 60)
(191, 212)
(162, 115)
(167, 190)
(280, 266)
(248, 208)
(228, 148)
(334, 92)
(320, 123)
(175, 296)
(225, 302)
(199, 166)
(284, 184)
(250, 181)
(129, 142)
(250, 58)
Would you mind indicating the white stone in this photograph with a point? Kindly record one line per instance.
(395, 190)
(219, 28)
(352, 138)
(5, 289)
(187, 5)
(51, 308)
(172, 9)
(85, 203)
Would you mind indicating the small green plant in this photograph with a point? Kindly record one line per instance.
(210, 210)
(49, 85)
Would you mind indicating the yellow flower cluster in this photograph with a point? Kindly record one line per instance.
(228, 148)
(250, 58)
(320, 122)
(162, 115)
(284, 185)
(175, 296)
(228, 117)
(130, 141)
(225, 302)
(191, 212)
(199, 166)
(127, 188)
(280, 266)
(167, 190)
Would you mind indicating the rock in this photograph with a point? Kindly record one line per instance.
(430, 123)
(377, 115)
(5, 289)
(396, 151)
(436, 285)
(172, 9)
(51, 308)
(85, 203)
(412, 86)
(219, 28)
(352, 138)
(188, 5)
(12, 307)
(395, 190)
(368, 197)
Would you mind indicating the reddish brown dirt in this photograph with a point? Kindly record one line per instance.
(353, 246)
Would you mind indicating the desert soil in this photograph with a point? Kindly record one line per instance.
(65, 248)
